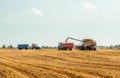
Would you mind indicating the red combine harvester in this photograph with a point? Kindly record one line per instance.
(65, 46)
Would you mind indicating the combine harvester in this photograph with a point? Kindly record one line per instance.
(87, 44)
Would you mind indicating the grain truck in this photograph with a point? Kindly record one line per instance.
(23, 46)
(65, 46)
(26, 46)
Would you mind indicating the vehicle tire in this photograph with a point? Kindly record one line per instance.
(94, 48)
(70, 49)
(90, 48)
(26, 48)
(19, 48)
(82, 48)
(59, 49)
(38, 48)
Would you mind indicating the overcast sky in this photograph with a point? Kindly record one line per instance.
(47, 22)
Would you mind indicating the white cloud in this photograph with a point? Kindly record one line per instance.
(9, 21)
(89, 6)
(37, 12)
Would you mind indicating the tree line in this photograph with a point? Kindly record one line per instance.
(109, 47)
(8, 46)
(11, 46)
(100, 47)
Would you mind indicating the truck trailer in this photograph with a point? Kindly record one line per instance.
(65, 46)
(23, 46)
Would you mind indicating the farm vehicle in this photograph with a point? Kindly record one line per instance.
(23, 46)
(35, 46)
(26, 46)
(87, 44)
(65, 46)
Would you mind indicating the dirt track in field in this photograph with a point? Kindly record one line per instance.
(51, 63)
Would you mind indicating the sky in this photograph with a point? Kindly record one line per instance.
(47, 22)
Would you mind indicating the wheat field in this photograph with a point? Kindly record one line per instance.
(51, 63)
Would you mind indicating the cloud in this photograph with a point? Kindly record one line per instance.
(89, 6)
(37, 12)
(69, 2)
(9, 21)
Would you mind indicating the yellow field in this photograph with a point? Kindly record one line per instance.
(51, 63)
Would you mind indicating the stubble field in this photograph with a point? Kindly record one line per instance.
(51, 63)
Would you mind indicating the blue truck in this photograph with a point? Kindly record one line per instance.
(23, 46)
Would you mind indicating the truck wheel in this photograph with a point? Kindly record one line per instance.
(59, 49)
(19, 48)
(37, 48)
(70, 49)
(26, 48)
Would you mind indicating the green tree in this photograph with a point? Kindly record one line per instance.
(4, 46)
(10, 46)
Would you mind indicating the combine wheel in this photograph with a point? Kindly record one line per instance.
(90, 48)
(94, 48)
(82, 48)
